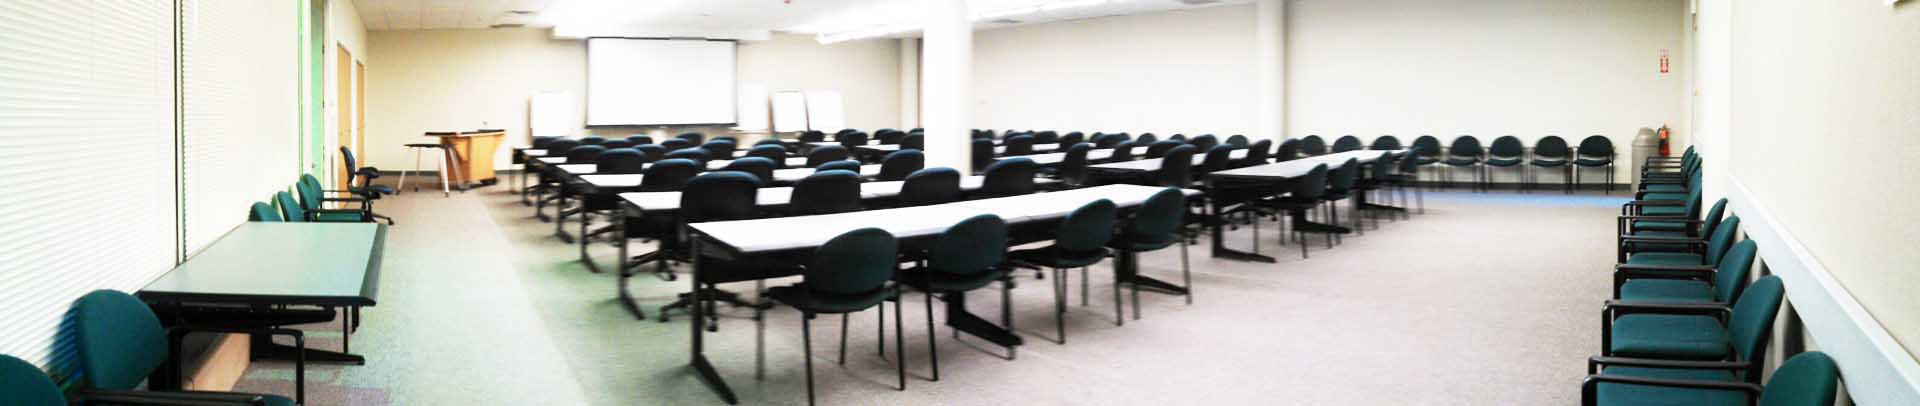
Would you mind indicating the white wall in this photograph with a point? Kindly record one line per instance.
(1489, 68)
(344, 29)
(446, 80)
(1174, 72)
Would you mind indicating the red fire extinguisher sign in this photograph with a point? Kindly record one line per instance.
(1665, 65)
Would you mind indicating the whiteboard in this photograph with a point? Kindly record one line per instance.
(754, 114)
(660, 82)
(789, 112)
(824, 111)
(551, 114)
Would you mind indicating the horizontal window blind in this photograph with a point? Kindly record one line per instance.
(239, 96)
(87, 158)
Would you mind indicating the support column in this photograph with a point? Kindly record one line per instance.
(947, 84)
(1270, 57)
(909, 83)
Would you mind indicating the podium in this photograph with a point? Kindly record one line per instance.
(473, 153)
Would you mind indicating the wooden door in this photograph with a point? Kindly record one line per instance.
(359, 107)
(343, 101)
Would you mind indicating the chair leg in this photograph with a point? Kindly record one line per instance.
(1006, 312)
(933, 352)
(1084, 286)
(1060, 305)
(882, 330)
(899, 336)
(403, 172)
(843, 339)
(441, 167)
(1119, 306)
(1186, 274)
(806, 343)
(759, 341)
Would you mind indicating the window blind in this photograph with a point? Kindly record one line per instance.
(240, 100)
(86, 161)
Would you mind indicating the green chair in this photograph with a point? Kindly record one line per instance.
(849, 273)
(1719, 285)
(263, 212)
(1681, 217)
(312, 197)
(1080, 241)
(1711, 336)
(1808, 379)
(121, 344)
(22, 384)
(1155, 226)
(1702, 255)
(963, 258)
(1670, 241)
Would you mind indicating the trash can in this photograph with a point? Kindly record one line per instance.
(1645, 145)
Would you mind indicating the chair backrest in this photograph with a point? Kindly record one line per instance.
(1009, 177)
(290, 209)
(353, 166)
(769, 141)
(916, 141)
(822, 154)
(727, 138)
(889, 136)
(693, 138)
(639, 140)
(720, 196)
(653, 152)
(1073, 165)
(1239, 141)
(1146, 139)
(1507, 146)
(720, 149)
(669, 175)
(1258, 153)
(1808, 379)
(973, 246)
(1046, 137)
(1311, 185)
(263, 212)
(1159, 149)
(826, 192)
(560, 147)
(1180, 138)
(120, 340)
(813, 136)
(1426, 146)
(310, 191)
(1466, 146)
(22, 384)
(859, 262)
(592, 140)
(1385, 143)
(1204, 142)
(617, 144)
(1712, 220)
(775, 153)
(1019, 145)
(1551, 147)
(1157, 220)
(585, 154)
(1751, 323)
(1088, 228)
(1346, 143)
(982, 153)
(1289, 150)
(852, 139)
(691, 154)
(1108, 140)
(898, 164)
(1722, 239)
(1596, 146)
(1123, 151)
(622, 160)
(543, 142)
(1342, 179)
(1072, 138)
(1382, 168)
(760, 168)
(1313, 145)
(1409, 165)
(1176, 168)
(938, 185)
(675, 144)
(843, 132)
(1218, 159)
(1730, 277)
(848, 165)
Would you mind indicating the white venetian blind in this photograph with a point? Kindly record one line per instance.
(239, 96)
(86, 160)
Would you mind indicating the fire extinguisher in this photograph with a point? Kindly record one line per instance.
(1665, 150)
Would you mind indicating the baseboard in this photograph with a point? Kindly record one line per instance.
(1877, 370)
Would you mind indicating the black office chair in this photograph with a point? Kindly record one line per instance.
(592, 140)
(1078, 242)
(930, 186)
(1407, 176)
(981, 154)
(1107, 140)
(851, 140)
(1159, 149)
(1176, 168)
(813, 136)
(1257, 154)
(760, 168)
(1347, 143)
(1341, 185)
(1072, 138)
(1289, 150)
(612, 162)
(1551, 153)
(769, 141)
(889, 136)
(1008, 177)
(1204, 142)
(1046, 137)
(693, 138)
(663, 176)
(847, 165)
(1219, 158)
(826, 192)
(1155, 226)
(1464, 153)
(1304, 196)
(899, 164)
(699, 155)
(1239, 141)
(1122, 152)
(653, 152)
(1506, 152)
(719, 196)
(1072, 170)
(719, 149)
(914, 141)
(826, 153)
(775, 153)
(1146, 139)
(1180, 138)
(964, 258)
(639, 140)
(1594, 151)
(1313, 145)
(1019, 145)
(849, 273)
(617, 144)
(676, 144)
(1385, 143)
(366, 191)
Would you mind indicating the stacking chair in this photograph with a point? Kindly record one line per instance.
(914, 141)
(761, 168)
(826, 192)
(1426, 149)
(982, 154)
(1665, 239)
(617, 144)
(1240, 141)
(1159, 149)
(1008, 177)
(1313, 145)
(263, 212)
(121, 343)
(813, 136)
(850, 273)
(1342, 185)
(1702, 258)
(1257, 154)
(1719, 285)
(1406, 175)
(312, 199)
(1079, 241)
(719, 149)
(1289, 150)
(1304, 196)
(775, 153)
(1464, 153)
(1347, 143)
(1146, 139)
(1690, 340)
(899, 164)
(1122, 152)
(851, 140)
(718, 196)
(1807, 379)
(1019, 145)
(676, 144)
(360, 184)
(22, 384)
(1046, 137)
(1385, 143)
(1072, 138)
(653, 152)
(1375, 180)
(1593, 152)
(663, 176)
(930, 186)
(847, 165)
(826, 153)
(1205, 142)
(1072, 170)
(1506, 152)
(964, 258)
(1155, 226)
(1176, 168)
(1180, 138)
(639, 140)
(1219, 158)
(1551, 153)
(693, 138)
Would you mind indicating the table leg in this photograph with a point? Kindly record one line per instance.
(961, 320)
(1218, 233)
(699, 358)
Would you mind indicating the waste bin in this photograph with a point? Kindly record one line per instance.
(1645, 145)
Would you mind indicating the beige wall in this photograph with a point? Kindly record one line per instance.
(1489, 68)
(1825, 117)
(445, 80)
(344, 29)
(1174, 72)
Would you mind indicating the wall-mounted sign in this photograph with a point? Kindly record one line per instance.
(1666, 65)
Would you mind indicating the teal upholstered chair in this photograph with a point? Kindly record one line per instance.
(1808, 379)
(264, 212)
(1719, 285)
(1155, 226)
(849, 273)
(1079, 241)
(1691, 336)
(1639, 216)
(1702, 255)
(122, 344)
(22, 384)
(965, 257)
(311, 198)
(1671, 241)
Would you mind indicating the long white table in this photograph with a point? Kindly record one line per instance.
(1298, 167)
(618, 181)
(1225, 195)
(780, 196)
(996, 150)
(1054, 158)
(1153, 164)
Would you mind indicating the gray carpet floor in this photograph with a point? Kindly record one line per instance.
(1488, 298)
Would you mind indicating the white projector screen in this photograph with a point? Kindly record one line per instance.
(659, 82)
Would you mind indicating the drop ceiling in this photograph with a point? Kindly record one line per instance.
(793, 16)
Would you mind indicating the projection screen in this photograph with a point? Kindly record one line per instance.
(660, 82)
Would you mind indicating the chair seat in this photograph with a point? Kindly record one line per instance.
(1665, 188)
(799, 297)
(1664, 258)
(339, 217)
(1665, 226)
(1664, 175)
(1663, 210)
(1666, 291)
(1503, 162)
(1592, 162)
(928, 280)
(1542, 162)
(1460, 161)
(1667, 336)
(1624, 394)
(1665, 197)
(1053, 257)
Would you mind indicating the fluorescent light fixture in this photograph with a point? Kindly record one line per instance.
(829, 36)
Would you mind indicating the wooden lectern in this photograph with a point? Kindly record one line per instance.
(472, 154)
